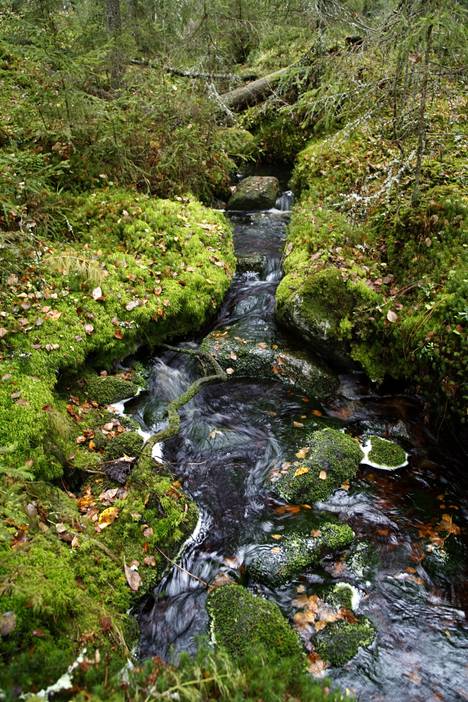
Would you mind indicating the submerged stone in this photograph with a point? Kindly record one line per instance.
(275, 564)
(328, 458)
(255, 193)
(242, 623)
(384, 454)
(341, 640)
(260, 360)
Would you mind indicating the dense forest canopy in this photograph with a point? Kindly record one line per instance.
(123, 126)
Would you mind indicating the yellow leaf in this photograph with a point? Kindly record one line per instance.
(108, 516)
(276, 537)
(323, 475)
(302, 453)
(301, 471)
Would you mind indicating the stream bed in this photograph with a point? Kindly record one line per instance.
(407, 567)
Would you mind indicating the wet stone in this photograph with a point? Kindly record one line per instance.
(255, 193)
(278, 563)
(247, 358)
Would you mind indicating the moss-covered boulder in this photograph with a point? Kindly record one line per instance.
(328, 458)
(255, 193)
(239, 144)
(243, 622)
(129, 443)
(341, 640)
(247, 358)
(319, 306)
(109, 388)
(275, 564)
(384, 454)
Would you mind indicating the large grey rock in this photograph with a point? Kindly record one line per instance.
(255, 193)
(247, 358)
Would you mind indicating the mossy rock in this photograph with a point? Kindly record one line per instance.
(330, 458)
(243, 622)
(384, 454)
(255, 193)
(276, 564)
(109, 389)
(239, 144)
(250, 359)
(254, 263)
(318, 307)
(130, 443)
(340, 641)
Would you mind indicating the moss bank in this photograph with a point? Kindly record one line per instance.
(133, 270)
(373, 276)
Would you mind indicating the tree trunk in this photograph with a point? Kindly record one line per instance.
(253, 93)
(422, 126)
(114, 27)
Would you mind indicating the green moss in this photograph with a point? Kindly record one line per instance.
(156, 280)
(385, 453)
(331, 457)
(239, 144)
(109, 389)
(242, 622)
(129, 443)
(288, 558)
(372, 276)
(340, 641)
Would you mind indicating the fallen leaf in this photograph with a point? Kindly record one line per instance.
(323, 475)
(277, 537)
(302, 453)
(7, 623)
(301, 471)
(3, 332)
(233, 356)
(297, 425)
(88, 328)
(230, 371)
(150, 561)
(108, 516)
(133, 577)
(392, 316)
(317, 413)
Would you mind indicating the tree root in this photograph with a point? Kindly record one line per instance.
(173, 416)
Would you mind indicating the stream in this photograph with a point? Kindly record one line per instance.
(407, 569)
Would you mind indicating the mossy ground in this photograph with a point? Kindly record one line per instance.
(75, 554)
(134, 270)
(374, 274)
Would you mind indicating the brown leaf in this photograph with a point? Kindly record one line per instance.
(132, 577)
(3, 332)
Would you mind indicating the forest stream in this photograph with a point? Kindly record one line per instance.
(405, 565)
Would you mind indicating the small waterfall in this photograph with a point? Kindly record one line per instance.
(285, 201)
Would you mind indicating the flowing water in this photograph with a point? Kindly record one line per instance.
(407, 570)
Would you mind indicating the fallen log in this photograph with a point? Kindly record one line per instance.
(253, 93)
(187, 73)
